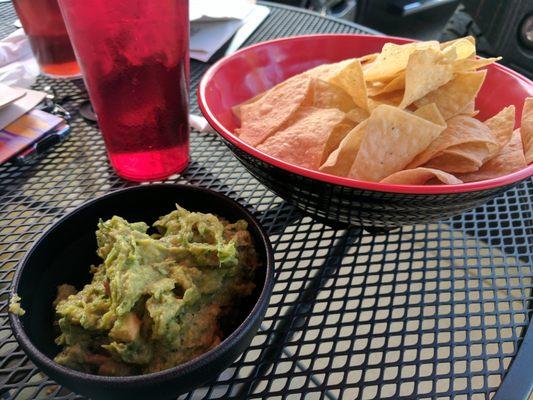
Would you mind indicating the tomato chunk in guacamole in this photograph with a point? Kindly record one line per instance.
(156, 300)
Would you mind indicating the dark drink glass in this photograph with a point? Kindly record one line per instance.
(43, 23)
(134, 56)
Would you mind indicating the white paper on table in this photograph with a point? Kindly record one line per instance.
(18, 108)
(9, 95)
(219, 10)
(252, 21)
(18, 67)
(208, 37)
(200, 124)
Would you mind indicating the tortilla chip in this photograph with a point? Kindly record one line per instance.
(393, 59)
(420, 176)
(431, 113)
(357, 115)
(426, 71)
(322, 70)
(303, 142)
(352, 81)
(394, 137)
(325, 71)
(262, 118)
(340, 160)
(502, 124)
(398, 83)
(454, 96)
(347, 75)
(471, 64)
(526, 129)
(237, 109)
(467, 157)
(461, 48)
(335, 138)
(478, 152)
(376, 85)
(391, 99)
(509, 160)
(470, 109)
(449, 43)
(453, 164)
(326, 95)
(368, 58)
(461, 129)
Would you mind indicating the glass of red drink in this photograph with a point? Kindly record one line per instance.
(48, 37)
(134, 56)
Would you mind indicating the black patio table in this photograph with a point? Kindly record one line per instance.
(434, 311)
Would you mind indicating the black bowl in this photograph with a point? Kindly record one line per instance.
(63, 255)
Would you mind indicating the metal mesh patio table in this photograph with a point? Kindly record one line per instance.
(436, 311)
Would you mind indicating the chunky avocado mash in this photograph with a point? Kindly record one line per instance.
(14, 305)
(156, 300)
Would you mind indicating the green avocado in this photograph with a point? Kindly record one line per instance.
(156, 300)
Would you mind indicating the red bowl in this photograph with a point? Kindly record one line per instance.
(254, 69)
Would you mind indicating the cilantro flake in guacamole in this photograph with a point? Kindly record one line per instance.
(156, 300)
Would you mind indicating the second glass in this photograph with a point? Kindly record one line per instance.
(134, 56)
(48, 37)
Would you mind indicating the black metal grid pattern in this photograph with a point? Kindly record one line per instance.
(428, 311)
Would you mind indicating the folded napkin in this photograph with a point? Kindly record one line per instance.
(216, 10)
(200, 124)
(18, 67)
(214, 22)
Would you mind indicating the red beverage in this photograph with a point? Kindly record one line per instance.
(134, 55)
(48, 37)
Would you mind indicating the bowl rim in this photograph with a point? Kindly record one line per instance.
(182, 369)
(337, 180)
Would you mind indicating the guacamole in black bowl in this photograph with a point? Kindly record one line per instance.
(156, 299)
(164, 308)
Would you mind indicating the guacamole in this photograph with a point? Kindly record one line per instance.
(156, 300)
(14, 305)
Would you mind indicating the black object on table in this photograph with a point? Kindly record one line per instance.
(427, 311)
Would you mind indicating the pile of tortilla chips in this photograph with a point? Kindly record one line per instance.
(403, 116)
